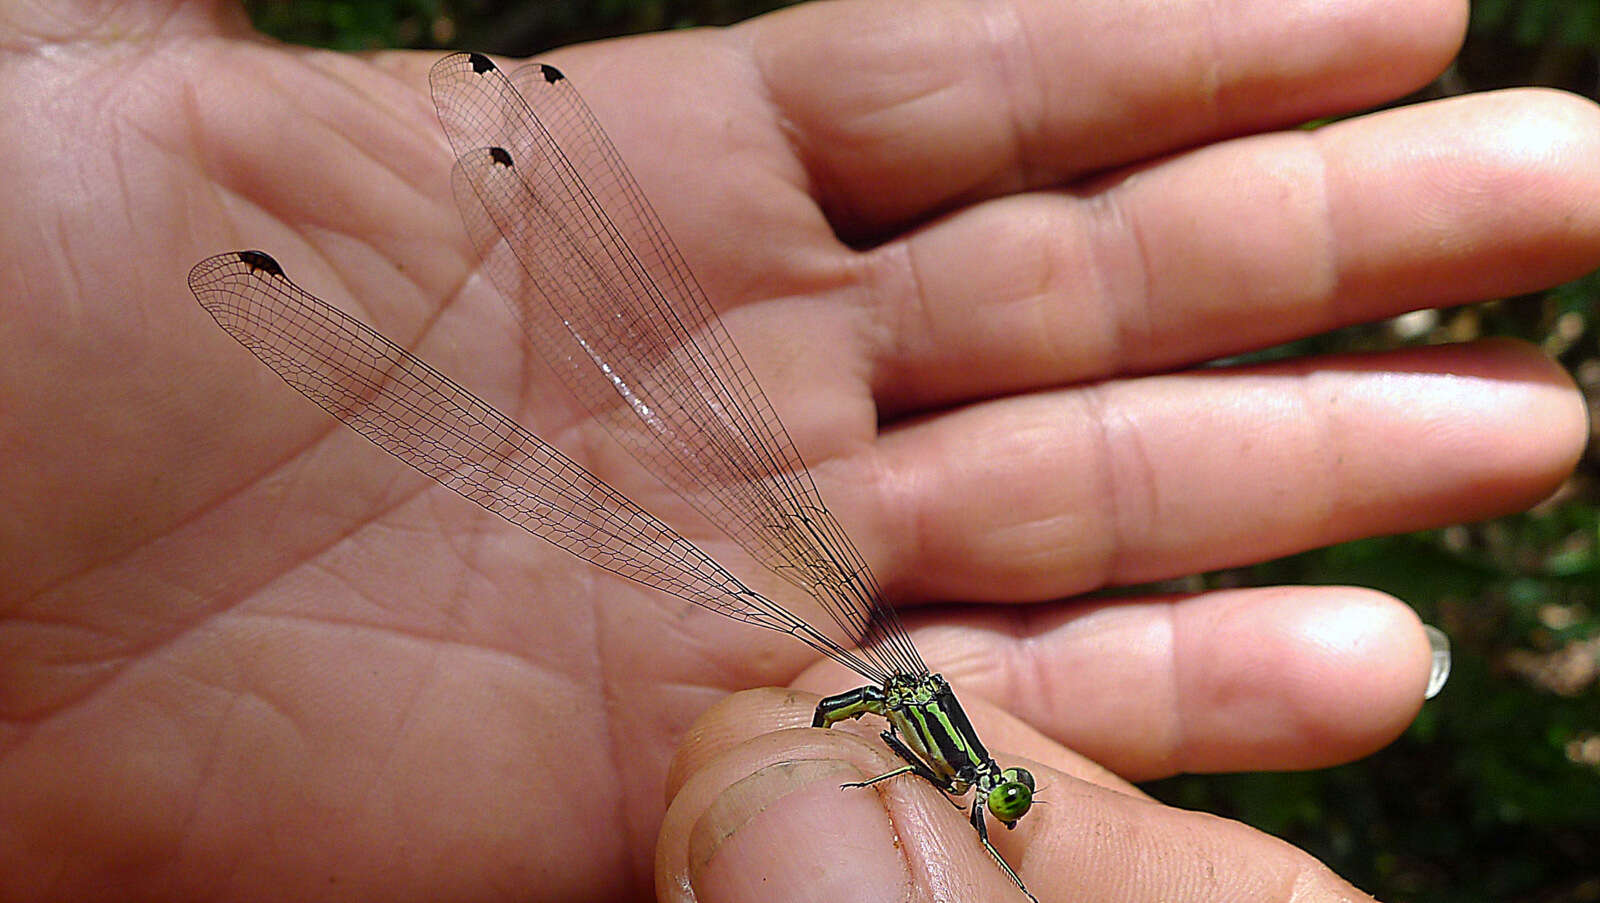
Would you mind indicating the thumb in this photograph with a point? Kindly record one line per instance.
(758, 814)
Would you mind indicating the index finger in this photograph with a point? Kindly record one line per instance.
(895, 115)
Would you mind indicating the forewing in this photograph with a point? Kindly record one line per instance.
(420, 416)
(604, 295)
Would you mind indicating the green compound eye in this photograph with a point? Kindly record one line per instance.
(1013, 797)
(1020, 775)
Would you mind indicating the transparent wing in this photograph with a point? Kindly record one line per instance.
(605, 297)
(420, 416)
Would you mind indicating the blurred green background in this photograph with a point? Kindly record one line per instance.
(1494, 792)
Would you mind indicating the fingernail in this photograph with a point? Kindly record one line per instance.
(790, 834)
(1440, 672)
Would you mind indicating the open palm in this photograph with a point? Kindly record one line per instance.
(243, 655)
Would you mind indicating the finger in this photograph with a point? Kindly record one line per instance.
(1051, 494)
(896, 116)
(1242, 245)
(761, 817)
(1275, 678)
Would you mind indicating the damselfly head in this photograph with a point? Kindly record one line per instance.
(1012, 797)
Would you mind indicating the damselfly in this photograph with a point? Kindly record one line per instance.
(603, 294)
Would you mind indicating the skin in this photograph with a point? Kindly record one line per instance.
(245, 656)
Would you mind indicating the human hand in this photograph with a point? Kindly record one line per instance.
(245, 656)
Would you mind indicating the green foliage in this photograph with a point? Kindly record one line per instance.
(1531, 23)
(351, 24)
(1493, 794)
(494, 26)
